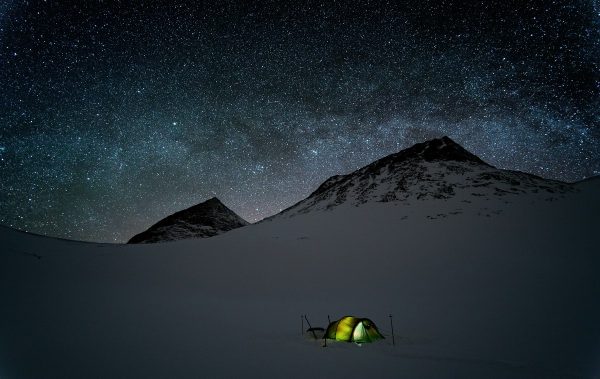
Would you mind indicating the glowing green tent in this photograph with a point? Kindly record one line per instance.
(353, 329)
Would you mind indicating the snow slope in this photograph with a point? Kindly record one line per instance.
(203, 220)
(480, 293)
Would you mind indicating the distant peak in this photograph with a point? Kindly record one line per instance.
(448, 141)
(202, 220)
(213, 200)
(210, 203)
(438, 149)
(442, 142)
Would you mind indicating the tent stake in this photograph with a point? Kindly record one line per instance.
(392, 325)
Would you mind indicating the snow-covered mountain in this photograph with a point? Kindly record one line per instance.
(206, 219)
(436, 169)
(439, 169)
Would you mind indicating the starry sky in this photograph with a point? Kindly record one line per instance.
(114, 114)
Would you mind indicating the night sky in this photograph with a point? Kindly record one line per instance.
(114, 114)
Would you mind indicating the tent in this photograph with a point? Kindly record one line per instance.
(353, 329)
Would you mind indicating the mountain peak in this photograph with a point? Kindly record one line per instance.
(210, 203)
(202, 220)
(437, 149)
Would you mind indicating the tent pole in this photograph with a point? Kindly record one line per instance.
(392, 325)
(310, 326)
(325, 334)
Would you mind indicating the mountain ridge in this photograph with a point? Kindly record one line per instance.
(436, 169)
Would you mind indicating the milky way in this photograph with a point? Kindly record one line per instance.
(116, 114)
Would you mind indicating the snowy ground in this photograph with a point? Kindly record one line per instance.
(476, 294)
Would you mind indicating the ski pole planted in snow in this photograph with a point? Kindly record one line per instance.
(392, 325)
(325, 333)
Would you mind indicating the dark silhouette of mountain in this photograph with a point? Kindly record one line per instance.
(203, 220)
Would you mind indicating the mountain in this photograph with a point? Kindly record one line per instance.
(203, 220)
(439, 169)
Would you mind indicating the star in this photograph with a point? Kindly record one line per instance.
(115, 115)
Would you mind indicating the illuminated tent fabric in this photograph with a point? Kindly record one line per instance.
(353, 329)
